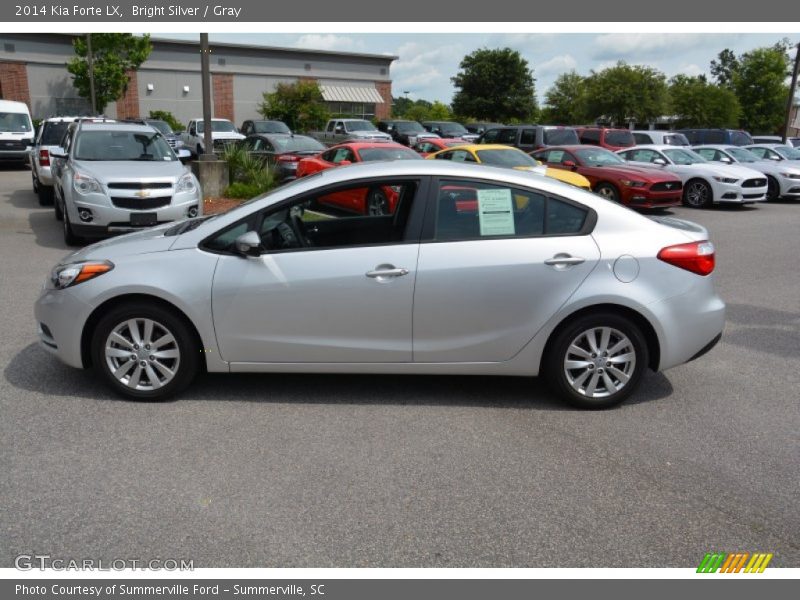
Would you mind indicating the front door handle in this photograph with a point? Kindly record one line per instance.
(384, 272)
(564, 260)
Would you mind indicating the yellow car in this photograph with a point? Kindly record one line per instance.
(497, 155)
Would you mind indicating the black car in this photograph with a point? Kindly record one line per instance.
(403, 131)
(283, 151)
(530, 137)
(449, 129)
(481, 127)
(251, 127)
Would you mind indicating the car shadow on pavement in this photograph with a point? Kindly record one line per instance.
(764, 329)
(34, 369)
(41, 219)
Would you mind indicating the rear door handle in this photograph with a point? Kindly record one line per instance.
(564, 260)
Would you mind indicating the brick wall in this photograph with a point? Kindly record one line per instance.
(128, 105)
(222, 91)
(384, 111)
(14, 82)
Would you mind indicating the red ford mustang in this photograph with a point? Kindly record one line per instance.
(615, 179)
(364, 201)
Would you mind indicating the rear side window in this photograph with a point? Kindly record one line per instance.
(619, 138)
(528, 137)
(644, 138)
(560, 137)
(741, 138)
(675, 139)
(472, 210)
(53, 132)
(507, 136)
(590, 136)
(714, 137)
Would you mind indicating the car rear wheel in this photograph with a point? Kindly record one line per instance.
(773, 189)
(607, 191)
(697, 194)
(597, 361)
(57, 212)
(145, 352)
(45, 193)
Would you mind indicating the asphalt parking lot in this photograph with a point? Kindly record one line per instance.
(368, 471)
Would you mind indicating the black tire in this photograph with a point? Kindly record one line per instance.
(773, 189)
(45, 194)
(70, 239)
(377, 203)
(607, 191)
(58, 213)
(34, 182)
(199, 151)
(697, 194)
(558, 351)
(189, 358)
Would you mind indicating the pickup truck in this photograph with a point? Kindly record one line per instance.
(223, 133)
(349, 130)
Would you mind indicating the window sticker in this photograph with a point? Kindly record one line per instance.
(495, 212)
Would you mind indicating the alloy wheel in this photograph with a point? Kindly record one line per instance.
(599, 362)
(697, 194)
(142, 354)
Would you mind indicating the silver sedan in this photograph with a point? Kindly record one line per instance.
(471, 270)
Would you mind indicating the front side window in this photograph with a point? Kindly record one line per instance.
(360, 126)
(490, 137)
(788, 152)
(742, 155)
(387, 153)
(616, 137)
(644, 155)
(217, 127)
(598, 157)
(684, 157)
(528, 137)
(561, 136)
(472, 210)
(643, 138)
(507, 136)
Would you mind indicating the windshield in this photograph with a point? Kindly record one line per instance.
(561, 137)
(409, 127)
(371, 154)
(598, 157)
(122, 145)
(506, 158)
(53, 132)
(16, 122)
(620, 138)
(161, 126)
(741, 138)
(359, 126)
(454, 128)
(298, 143)
(788, 152)
(271, 127)
(742, 155)
(684, 157)
(676, 139)
(217, 126)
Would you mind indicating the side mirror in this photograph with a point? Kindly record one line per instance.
(569, 163)
(339, 130)
(58, 152)
(183, 153)
(660, 162)
(342, 163)
(726, 159)
(248, 244)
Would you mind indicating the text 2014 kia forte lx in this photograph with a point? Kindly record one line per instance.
(475, 270)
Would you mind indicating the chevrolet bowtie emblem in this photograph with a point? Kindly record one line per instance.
(142, 193)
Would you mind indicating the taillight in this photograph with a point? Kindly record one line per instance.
(697, 257)
(44, 158)
(288, 158)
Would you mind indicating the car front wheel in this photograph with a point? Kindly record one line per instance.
(607, 191)
(597, 361)
(145, 351)
(697, 194)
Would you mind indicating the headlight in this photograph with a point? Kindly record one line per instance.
(84, 184)
(791, 175)
(725, 179)
(185, 184)
(632, 183)
(64, 276)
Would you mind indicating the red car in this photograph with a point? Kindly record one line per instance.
(615, 179)
(431, 145)
(606, 137)
(363, 201)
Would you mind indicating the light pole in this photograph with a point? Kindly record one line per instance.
(205, 78)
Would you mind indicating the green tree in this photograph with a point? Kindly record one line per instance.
(724, 66)
(760, 85)
(566, 102)
(114, 54)
(439, 111)
(300, 105)
(697, 103)
(495, 85)
(627, 92)
(168, 118)
(400, 106)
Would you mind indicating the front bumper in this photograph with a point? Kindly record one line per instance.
(60, 317)
(735, 193)
(790, 188)
(643, 198)
(22, 155)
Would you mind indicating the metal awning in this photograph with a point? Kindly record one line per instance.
(335, 93)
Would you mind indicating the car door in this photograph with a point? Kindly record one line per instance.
(496, 262)
(346, 298)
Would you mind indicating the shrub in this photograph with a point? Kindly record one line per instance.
(169, 118)
(242, 190)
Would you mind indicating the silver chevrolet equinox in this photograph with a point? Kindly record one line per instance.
(470, 270)
(112, 178)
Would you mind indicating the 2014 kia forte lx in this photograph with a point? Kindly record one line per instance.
(474, 270)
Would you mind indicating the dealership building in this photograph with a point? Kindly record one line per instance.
(32, 70)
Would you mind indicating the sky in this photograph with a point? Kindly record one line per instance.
(428, 60)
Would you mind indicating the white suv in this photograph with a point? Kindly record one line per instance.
(120, 177)
(48, 138)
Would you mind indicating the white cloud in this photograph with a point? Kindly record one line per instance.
(637, 45)
(557, 65)
(691, 70)
(328, 41)
(425, 69)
